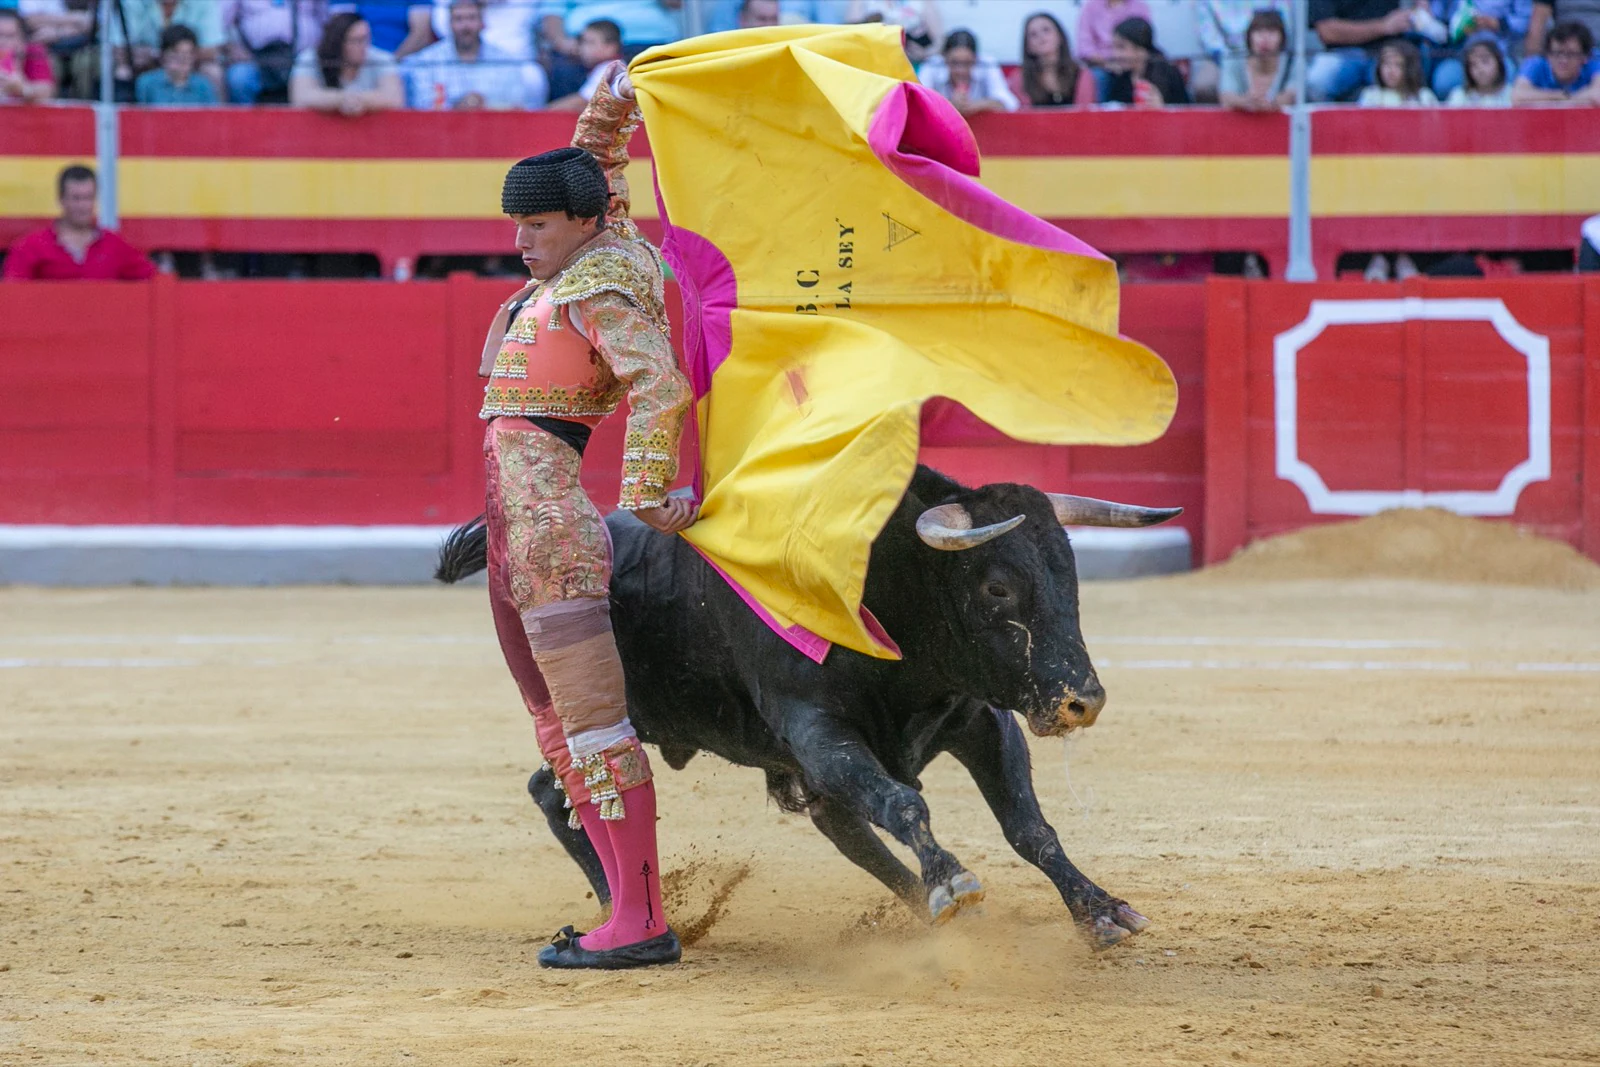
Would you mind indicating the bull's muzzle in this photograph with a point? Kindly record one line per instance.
(1080, 706)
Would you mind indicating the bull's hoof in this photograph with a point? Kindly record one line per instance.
(1113, 924)
(960, 893)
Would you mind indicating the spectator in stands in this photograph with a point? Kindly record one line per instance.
(148, 20)
(1259, 81)
(25, 75)
(1138, 72)
(1567, 73)
(919, 19)
(399, 27)
(1503, 21)
(510, 27)
(464, 72)
(264, 37)
(1050, 77)
(642, 24)
(73, 247)
(175, 82)
(1399, 80)
(53, 22)
(1488, 83)
(1352, 31)
(1547, 13)
(973, 83)
(344, 73)
(598, 44)
(1224, 29)
(1097, 20)
(754, 14)
(723, 15)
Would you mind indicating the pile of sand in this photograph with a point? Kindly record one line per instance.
(1427, 544)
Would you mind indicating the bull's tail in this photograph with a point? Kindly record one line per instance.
(464, 553)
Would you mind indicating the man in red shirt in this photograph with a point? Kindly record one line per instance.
(73, 247)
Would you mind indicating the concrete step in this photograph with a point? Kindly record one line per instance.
(374, 555)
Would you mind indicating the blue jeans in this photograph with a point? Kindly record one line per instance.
(1338, 75)
(1102, 81)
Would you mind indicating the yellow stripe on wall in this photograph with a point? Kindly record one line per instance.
(1455, 185)
(1052, 187)
(1114, 187)
(28, 185)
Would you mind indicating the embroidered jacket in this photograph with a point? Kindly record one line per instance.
(597, 331)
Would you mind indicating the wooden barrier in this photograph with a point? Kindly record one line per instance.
(1325, 402)
(248, 403)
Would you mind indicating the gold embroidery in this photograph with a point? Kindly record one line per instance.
(510, 363)
(608, 774)
(649, 464)
(614, 266)
(526, 329)
(629, 765)
(552, 399)
(573, 821)
(602, 786)
(555, 320)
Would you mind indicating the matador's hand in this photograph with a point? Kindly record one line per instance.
(616, 76)
(675, 515)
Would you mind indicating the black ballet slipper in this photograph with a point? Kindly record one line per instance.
(564, 953)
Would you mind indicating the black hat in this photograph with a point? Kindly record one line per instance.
(565, 179)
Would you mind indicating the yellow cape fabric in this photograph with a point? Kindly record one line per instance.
(809, 433)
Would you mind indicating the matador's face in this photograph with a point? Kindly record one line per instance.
(547, 240)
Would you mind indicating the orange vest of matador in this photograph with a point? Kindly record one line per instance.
(542, 364)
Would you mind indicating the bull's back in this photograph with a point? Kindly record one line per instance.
(690, 647)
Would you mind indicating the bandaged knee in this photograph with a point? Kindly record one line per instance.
(577, 655)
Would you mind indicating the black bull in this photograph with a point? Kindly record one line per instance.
(979, 588)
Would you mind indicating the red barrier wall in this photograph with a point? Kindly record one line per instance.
(356, 402)
(1324, 402)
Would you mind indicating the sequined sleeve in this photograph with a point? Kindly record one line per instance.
(604, 129)
(640, 355)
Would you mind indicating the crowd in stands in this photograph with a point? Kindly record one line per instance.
(363, 56)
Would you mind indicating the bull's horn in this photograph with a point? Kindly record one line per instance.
(948, 527)
(1087, 511)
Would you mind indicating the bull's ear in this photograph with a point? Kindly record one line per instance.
(948, 528)
(1087, 511)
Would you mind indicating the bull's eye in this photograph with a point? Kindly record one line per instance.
(998, 591)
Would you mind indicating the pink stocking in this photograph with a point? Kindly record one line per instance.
(595, 827)
(636, 913)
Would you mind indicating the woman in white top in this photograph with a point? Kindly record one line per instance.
(345, 74)
(1399, 79)
(971, 83)
(1488, 84)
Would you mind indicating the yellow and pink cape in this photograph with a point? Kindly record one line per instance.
(841, 266)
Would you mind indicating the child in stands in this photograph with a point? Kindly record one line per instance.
(1487, 83)
(1399, 79)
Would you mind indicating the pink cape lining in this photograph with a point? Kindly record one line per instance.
(921, 138)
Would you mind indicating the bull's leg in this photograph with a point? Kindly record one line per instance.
(839, 766)
(992, 747)
(853, 837)
(552, 801)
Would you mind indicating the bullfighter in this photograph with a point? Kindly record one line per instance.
(589, 329)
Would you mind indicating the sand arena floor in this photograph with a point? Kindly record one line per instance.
(289, 826)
